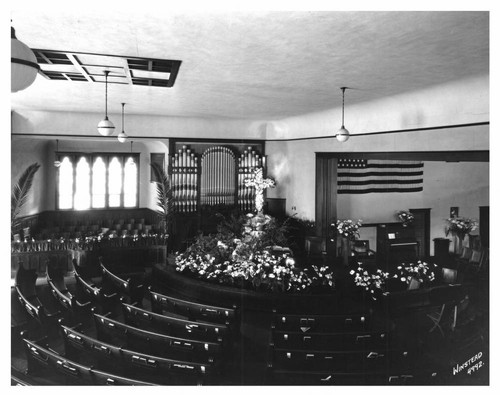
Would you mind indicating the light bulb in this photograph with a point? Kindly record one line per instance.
(342, 134)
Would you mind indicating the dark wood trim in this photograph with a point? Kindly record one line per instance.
(425, 248)
(326, 200)
(399, 131)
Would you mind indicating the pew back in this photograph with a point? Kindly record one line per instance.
(42, 357)
(192, 310)
(141, 318)
(132, 363)
(155, 343)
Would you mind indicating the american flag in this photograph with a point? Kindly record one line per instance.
(374, 175)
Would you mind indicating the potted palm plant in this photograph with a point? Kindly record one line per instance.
(163, 197)
(20, 192)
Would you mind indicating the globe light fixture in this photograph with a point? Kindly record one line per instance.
(106, 127)
(342, 134)
(122, 137)
(23, 65)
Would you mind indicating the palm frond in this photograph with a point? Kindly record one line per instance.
(20, 193)
(163, 193)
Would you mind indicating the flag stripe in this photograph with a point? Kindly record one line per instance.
(367, 176)
(370, 190)
(379, 182)
(357, 173)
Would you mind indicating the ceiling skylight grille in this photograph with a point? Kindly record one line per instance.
(72, 66)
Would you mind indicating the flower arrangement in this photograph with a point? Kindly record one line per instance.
(460, 226)
(374, 283)
(264, 270)
(421, 271)
(250, 257)
(405, 217)
(348, 228)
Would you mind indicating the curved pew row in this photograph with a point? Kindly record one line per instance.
(25, 284)
(174, 326)
(93, 292)
(55, 279)
(135, 364)
(41, 359)
(130, 285)
(153, 343)
(194, 311)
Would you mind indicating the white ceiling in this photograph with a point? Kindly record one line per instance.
(261, 66)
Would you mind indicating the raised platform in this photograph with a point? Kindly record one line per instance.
(166, 277)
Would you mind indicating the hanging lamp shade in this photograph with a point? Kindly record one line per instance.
(342, 134)
(122, 136)
(106, 127)
(23, 65)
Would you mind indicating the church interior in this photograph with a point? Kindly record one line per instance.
(250, 198)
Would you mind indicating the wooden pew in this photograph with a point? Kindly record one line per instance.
(41, 356)
(25, 284)
(320, 323)
(173, 326)
(368, 360)
(192, 310)
(135, 364)
(55, 278)
(93, 292)
(132, 286)
(329, 341)
(303, 377)
(153, 343)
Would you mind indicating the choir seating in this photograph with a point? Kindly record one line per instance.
(174, 326)
(155, 343)
(42, 359)
(137, 365)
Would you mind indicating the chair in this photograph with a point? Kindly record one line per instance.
(445, 302)
(362, 253)
(449, 275)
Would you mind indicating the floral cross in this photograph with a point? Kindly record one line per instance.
(260, 184)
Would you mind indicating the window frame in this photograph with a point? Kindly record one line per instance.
(90, 156)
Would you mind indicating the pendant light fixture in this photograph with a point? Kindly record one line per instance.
(106, 127)
(23, 65)
(342, 134)
(122, 137)
(57, 162)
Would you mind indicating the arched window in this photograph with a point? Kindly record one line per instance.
(82, 187)
(130, 183)
(66, 183)
(97, 181)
